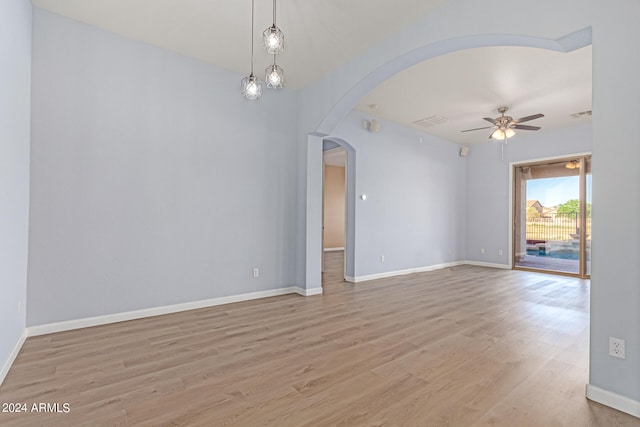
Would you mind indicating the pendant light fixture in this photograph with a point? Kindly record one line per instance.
(272, 37)
(274, 75)
(251, 86)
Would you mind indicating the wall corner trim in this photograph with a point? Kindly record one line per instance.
(12, 356)
(613, 400)
(308, 292)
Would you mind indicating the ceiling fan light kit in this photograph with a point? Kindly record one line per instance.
(503, 126)
(502, 134)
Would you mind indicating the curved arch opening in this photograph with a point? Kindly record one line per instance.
(352, 96)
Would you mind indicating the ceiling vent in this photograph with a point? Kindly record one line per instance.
(430, 121)
(581, 114)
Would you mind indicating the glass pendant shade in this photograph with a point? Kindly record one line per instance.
(502, 134)
(251, 87)
(274, 77)
(273, 40)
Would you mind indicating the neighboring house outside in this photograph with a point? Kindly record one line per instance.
(549, 212)
(536, 205)
(544, 211)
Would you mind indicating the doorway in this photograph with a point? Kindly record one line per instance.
(552, 216)
(333, 208)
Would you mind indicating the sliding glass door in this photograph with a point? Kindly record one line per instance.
(552, 216)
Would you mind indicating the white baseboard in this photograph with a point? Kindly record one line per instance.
(422, 270)
(12, 356)
(333, 249)
(308, 292)
(157, 311)
(386, 274)
(613, 400)
(487, 264)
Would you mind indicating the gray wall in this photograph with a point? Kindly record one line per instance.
(153, 181)
(415, 211)
(615, 302)
(15, 81)
(615, 277)
(488, 184)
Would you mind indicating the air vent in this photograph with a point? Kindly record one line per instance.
(581, 114)
(430, 121)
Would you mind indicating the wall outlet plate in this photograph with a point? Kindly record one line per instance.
(617, 348)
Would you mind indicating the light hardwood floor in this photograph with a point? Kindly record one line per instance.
(463, 346)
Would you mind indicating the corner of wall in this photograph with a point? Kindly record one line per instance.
(12, 356)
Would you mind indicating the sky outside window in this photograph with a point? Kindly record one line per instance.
(556, 191)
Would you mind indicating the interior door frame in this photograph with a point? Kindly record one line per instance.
(512, 208)
(345, 213)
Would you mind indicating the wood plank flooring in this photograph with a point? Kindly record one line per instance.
(463, 346)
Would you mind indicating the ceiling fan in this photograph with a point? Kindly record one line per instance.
(505, 125)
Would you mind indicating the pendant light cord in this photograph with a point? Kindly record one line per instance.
(252, 13)
(274, 13)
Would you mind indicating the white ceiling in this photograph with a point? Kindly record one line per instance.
(319, 35)
(462, 87)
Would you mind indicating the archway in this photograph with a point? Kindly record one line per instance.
(313, 265)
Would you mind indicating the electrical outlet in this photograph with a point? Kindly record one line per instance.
(256, 272)
(450, 251)
(481, 250)
(616, 348)
(381, 258)
(500, 252)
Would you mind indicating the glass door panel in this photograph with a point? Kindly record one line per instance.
(549, 200)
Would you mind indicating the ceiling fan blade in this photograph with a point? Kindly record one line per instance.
(527, 118)
(526, 127)
(492, 121)
(469, 130)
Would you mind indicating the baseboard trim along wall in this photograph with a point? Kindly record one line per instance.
(386, 274)
(487, 264)
(333, 249)
(12, 357)
(613, 400)
(422, 270)
(50, 328)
